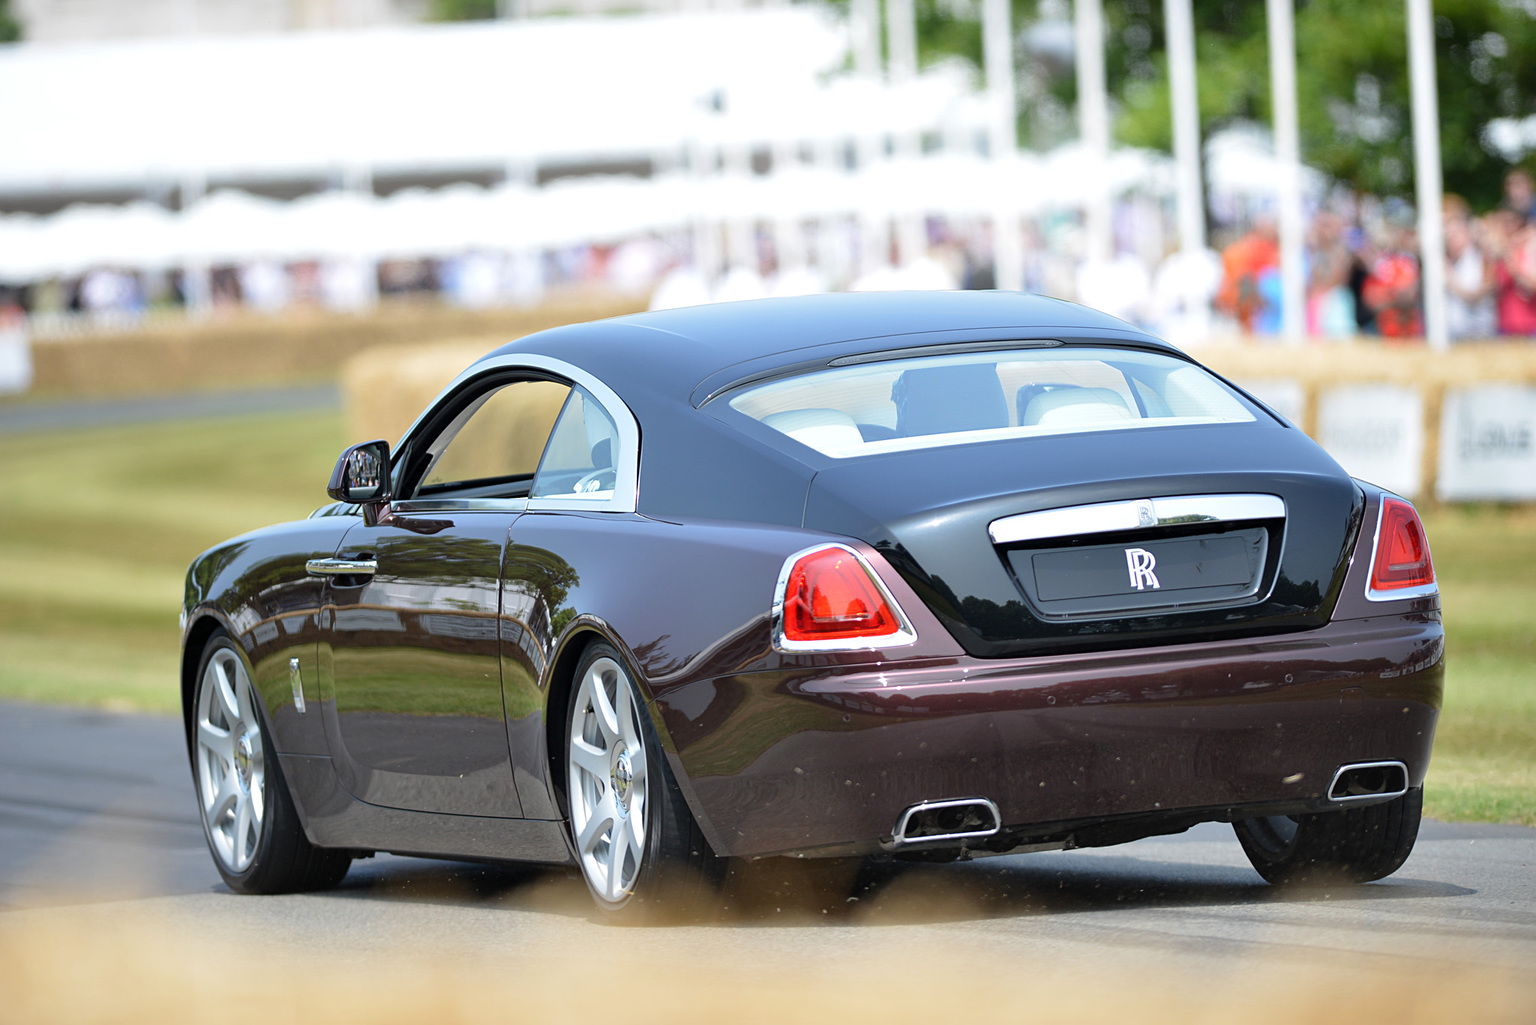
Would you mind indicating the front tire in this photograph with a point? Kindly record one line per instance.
(1355, 845)
(634, 838)
(249, 820)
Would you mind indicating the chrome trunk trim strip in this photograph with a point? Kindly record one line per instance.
(1137, 514)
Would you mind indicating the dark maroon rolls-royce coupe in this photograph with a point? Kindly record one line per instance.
(904, 574)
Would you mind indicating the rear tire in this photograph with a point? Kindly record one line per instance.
(636, 842)
(249, 821)
(1355, 845)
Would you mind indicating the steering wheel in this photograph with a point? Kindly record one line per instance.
(602, 479)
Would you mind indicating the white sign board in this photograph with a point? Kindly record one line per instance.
(1376, 432)
(15, 361)
(1488, 444)
(1284, 396)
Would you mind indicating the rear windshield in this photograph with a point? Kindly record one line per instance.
(957, 399)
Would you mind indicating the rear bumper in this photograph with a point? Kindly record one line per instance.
(825, 760)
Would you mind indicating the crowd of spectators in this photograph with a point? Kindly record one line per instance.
(1362, 281)
(1362, 270)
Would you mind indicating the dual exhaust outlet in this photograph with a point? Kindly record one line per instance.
(975, 818)
(1368, 781)
(966, 818)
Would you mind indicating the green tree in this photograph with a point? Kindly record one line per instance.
(1353, 89)
(461, 10)
(10, 28)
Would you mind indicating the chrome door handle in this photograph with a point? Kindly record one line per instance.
(342, 567)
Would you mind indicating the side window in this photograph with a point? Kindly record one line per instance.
(492, 447)
(582, 455)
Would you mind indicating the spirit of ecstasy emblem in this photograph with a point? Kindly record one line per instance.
(1140, 563)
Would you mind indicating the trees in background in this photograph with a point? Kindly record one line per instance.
(10, 28)
(1353, 78)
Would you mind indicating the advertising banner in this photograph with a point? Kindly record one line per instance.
(1376, 432)
(1284, 396)
(1488, 444)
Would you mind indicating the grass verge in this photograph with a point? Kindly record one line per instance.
(97, 527)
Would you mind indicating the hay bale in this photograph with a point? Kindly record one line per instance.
(387, 387)
(250, 349)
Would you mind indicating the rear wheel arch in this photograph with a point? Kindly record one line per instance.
(199, 634)
(581, 634)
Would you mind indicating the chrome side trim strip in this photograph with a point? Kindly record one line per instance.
(296, 682)
(341, 567)
(420, 505)
(899, 835)
(1137, 514)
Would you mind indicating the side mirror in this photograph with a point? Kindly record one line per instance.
(361, 476)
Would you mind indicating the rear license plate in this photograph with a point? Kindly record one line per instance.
(1143, 575)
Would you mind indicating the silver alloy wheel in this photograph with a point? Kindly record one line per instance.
(230, 761)
(607, 778)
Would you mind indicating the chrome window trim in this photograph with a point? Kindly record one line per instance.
(906, 634)
(1400, 593)
(425, 505)
(626, 489)
(1136, 514)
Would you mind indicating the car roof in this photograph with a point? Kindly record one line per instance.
(672, 351)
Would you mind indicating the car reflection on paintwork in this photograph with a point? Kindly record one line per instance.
(902, 575)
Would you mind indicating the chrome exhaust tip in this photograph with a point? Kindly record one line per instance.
(967, 818)
(1368, 781)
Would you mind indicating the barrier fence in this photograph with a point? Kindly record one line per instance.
(1451, 426)
(1448, 426)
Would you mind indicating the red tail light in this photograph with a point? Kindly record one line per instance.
(830, 600)
(1401, 566)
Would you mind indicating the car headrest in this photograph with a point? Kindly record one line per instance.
(1074, 407)
(942, 400)
(821, 429)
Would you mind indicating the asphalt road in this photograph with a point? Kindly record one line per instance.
(97, 822)
(27, 415)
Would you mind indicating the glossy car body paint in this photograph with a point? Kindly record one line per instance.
(435, 692)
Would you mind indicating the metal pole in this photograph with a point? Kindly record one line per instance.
(706, 229)
(196, 275)
(1093, 122)
(1002, 138)
(740, 232)
(788, 231)
(901, 41)
(864, 25)
(869, 146)
(1282, 78)
(901, 38)
(1426, 168)
(1186, 123)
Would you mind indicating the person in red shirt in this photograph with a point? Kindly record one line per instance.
(1243, 263)
(1392, 289)
(1513, 240)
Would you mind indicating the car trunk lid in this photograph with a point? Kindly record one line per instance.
(1091, 540)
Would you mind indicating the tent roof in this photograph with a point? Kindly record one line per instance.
(407, 99)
